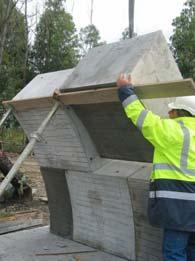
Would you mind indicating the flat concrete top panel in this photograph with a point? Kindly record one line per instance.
(123, 169)
(104, 63)
(43, 85)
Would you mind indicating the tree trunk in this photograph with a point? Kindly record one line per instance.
(4, 31)
(10, 6)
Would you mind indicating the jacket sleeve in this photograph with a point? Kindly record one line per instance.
(159, 132)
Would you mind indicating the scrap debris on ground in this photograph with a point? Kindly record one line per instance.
(17, 214)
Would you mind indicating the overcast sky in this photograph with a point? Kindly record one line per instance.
(111, 16)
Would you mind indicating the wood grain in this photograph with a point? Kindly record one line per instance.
(100, 94)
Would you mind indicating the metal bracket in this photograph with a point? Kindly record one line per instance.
(36, 136)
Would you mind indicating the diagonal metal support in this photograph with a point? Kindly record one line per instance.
(5, 116)
(35, 137)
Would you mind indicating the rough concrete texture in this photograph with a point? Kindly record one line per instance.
(28, 245)
(110, 210)
(102, 210)
(113, 134)
(108, 197)
(60, 146)
(148, 240)
(146, 57)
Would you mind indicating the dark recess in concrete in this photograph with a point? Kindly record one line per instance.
(61, 222)
(113, 134)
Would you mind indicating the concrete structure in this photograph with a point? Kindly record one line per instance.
(95, 163)
(40, 245)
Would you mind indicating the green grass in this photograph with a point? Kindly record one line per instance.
(12, 139)
(4, 214)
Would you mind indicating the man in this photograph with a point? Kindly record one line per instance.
(172, 182)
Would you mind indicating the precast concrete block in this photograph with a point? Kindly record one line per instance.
(148, 239)
(102, 207)
(146, 57)
(99, 201)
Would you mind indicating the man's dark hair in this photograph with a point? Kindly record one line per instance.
(183, 113)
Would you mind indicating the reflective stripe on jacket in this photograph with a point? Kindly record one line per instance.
(172, 186)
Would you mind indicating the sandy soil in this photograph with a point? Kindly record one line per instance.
(38, 206)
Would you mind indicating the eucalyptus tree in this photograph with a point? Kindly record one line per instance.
(183, 39)
(56, 41)
(6, 9)
(12, 49)
(89, 37)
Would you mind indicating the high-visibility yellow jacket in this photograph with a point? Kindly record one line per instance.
(172, 184)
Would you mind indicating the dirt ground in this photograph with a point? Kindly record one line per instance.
(35, 209)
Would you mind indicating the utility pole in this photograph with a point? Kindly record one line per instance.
(26, 40)
(131, 18)
(91, 15)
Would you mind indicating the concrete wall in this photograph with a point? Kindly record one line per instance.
(60, 146)
(102, 211)
(148, 240)
(95, 200)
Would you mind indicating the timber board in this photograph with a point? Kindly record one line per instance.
(147, 91)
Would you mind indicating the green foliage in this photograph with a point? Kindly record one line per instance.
(11, 70)
(13, 139)
(89, 37)
(125, 34)
(54, 4)
(56, 42)
(183, 40)
(5, 214)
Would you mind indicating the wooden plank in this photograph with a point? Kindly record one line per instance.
(64, 253)
(30, 103)
(103, 95)
(138, 86)
(166, 89)
(20, 225)
(20, 221)
(146, 91)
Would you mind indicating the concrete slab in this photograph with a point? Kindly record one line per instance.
(146, 57)
(40, 245)
(43, 85)
(123, 169)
